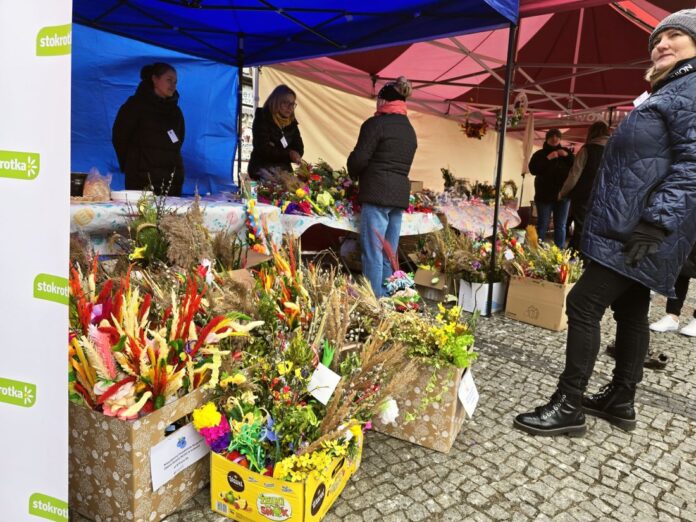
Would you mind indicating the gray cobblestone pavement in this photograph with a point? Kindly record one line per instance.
(495, 472)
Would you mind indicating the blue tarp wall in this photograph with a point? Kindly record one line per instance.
(106, 71)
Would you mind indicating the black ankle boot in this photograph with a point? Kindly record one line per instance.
(613, 402)
(562, 415)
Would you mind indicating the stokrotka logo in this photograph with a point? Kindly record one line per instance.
(47, 507)
(51, 288)
(19, 165)
(54, 40)
(17, 393)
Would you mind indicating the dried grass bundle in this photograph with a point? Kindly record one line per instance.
(187, 237)
(227, 249)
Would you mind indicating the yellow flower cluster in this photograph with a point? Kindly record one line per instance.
(206, 416)
(298, 469)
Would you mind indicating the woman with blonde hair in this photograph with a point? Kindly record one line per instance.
(639, 230)
(276, 136)
(381, 161)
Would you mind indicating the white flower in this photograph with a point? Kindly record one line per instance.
(509, 255)
(388, 412)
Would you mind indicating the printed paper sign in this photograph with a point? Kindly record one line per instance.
(323, 383)
(468, 393)
(176, 453)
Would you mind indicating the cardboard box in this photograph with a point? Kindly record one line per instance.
(474, 296)
(434, 285)
(109, 464)
(246, 496)
(416, 186)
(538, 302)
(438, 425)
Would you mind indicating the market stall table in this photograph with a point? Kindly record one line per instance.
(413, 223)
(99, 220)
(476, 217)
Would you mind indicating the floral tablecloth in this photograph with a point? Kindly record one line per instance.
(412, 224)
(99, 220)
(474, 217)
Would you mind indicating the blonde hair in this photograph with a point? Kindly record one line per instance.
(402, 86)
(277, 96)
(655, 76)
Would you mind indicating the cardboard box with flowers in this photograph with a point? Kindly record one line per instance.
(428, 412)
(138, 363)
(285, 427)
(542, 276)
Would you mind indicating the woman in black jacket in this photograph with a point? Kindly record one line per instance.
(381, 162)
(639, 230)
(581, 177)
(277, 140)
(148, 133)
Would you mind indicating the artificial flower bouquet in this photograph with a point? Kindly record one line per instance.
(312, 190)
(541, 278)
(287, 421)
(442, 345)
(128, 356)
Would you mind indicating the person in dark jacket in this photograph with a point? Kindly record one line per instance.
(670, 322)
(277, 140)
(381, 161)
(549, 166)
(578, 184)
(638, 232)
(149, 131)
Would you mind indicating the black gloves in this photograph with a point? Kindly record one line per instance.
(644, 241)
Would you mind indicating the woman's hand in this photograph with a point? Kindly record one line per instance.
(295, 157)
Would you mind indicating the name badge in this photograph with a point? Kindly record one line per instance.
(284, 142)
(172, 136)
(640, 99)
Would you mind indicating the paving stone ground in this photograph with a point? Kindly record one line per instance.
(495, 472)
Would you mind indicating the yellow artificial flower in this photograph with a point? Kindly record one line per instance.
(138, 253)
(237, 378)
(206, 416)
(284, 367)
(300, 193)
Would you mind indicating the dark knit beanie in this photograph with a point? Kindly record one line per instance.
(684, 20)
(389, 93)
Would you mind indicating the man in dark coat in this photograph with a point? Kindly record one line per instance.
(149, 131)
(550, 166)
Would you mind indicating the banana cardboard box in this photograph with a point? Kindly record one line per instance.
(109, 464)
(439, 424)
(246, 496)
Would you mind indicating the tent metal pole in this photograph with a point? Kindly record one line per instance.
(512, 49)
(240, 65)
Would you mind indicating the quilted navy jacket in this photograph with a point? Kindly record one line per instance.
(648, 173)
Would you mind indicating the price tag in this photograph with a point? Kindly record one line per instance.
(323, 383)
(468, 393)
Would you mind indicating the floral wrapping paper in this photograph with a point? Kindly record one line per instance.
(109, 464)
(438, 425)
(475, 217)
(99, 220)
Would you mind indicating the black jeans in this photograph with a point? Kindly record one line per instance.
(578, 210)
(597, 289)
(681, 287)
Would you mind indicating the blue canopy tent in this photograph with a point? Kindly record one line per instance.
(258, 32)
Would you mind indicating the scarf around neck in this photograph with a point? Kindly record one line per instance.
(282, 122)
(392, 107)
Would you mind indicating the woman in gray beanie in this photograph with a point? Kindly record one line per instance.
(638, 232)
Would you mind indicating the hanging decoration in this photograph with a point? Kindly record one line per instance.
(474, 129)
(516, 113)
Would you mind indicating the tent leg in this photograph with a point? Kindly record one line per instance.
(240, 66)
(512, 47)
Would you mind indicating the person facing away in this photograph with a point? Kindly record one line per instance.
(149, 131)
(578, 184)
(381, 161)
(638, 232)
(276, 135)
(550, 166)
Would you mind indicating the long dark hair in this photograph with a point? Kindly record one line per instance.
(597, 130)
(154, 69)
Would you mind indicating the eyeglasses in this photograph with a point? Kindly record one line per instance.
(290, 104)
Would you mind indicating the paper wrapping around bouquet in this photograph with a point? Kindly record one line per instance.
(109, 464)
(438, 425)
(245, 496)
(538, 302)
